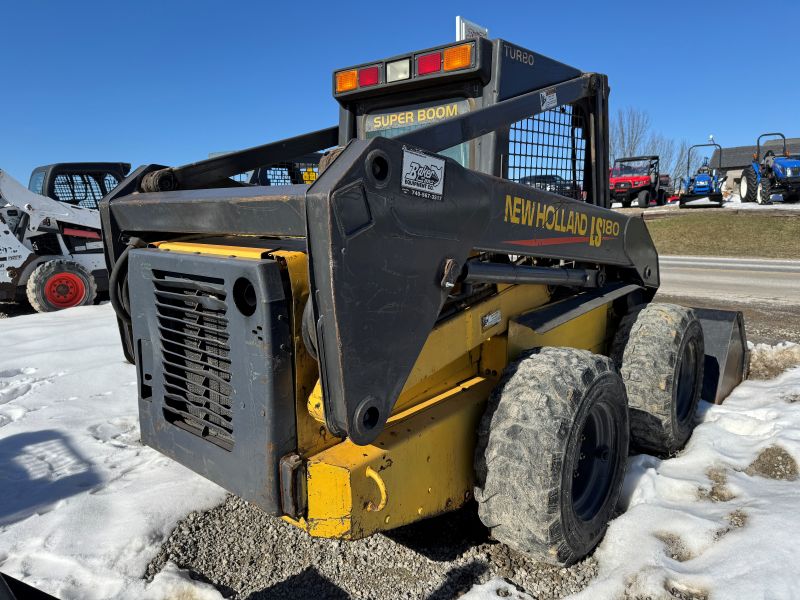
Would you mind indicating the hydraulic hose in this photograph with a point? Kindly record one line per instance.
(119, 294)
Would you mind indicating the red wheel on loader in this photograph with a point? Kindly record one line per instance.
(58, 284)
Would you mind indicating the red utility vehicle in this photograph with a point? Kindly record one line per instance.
(637, 178)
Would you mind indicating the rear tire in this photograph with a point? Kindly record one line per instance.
(748, 185)
(58, 284)
(643, 199)
(551, 454)
(659, 351)
(791, 198)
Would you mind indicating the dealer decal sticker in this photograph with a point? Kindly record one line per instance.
(548, 99)
(423, 175)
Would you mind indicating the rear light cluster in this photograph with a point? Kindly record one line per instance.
(448, 59)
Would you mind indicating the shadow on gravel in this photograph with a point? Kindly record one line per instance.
(443, 538)
(308, 584)
(459, 580)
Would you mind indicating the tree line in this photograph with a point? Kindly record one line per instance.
(631, 133)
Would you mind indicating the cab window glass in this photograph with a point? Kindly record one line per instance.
(37, 182)
(392, 122)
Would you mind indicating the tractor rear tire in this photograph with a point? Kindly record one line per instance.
(643, 199)
(791, 198)
(748, 186)
(659, 352)
(58, 284)
(551, 454)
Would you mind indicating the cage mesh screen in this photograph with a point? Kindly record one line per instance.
(110, 182)
(284, 173)
(548, 151)
(79, 189)
(289, 173)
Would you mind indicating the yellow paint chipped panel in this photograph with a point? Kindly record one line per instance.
(312, 435)
(420, 466)
(214, 249)
(455, 349)
(587, 332)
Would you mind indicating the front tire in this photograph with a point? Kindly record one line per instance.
(659, 351)
(58, 284)
(748, 186)
(551, 454)
(643, 199)
(764, 195)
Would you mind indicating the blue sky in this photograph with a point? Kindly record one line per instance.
(170, 81)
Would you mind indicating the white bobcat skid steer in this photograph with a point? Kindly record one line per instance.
(50, 245)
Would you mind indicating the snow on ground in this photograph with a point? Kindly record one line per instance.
(720, 520)
(83, 505)
(732, 202)
(777, 203)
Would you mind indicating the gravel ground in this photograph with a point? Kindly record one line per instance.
(763, 324)
(248, 554)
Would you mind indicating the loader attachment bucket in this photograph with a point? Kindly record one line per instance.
(727, 357)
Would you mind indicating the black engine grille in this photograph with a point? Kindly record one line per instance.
(195, 355)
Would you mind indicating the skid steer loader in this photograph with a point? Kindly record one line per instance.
(418, 326)
(50, 245)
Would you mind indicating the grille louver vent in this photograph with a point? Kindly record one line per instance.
(195, 345)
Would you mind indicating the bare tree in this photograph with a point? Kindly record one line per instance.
(629, 131)
(679, 169)
(662, 147)
(632, 135)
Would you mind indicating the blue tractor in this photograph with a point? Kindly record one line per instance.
(706, 184)
(770, 175)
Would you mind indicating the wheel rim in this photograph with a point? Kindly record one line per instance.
(594, 466)
(64, 290)
(687, 382)
(743, 188)
(759, 191)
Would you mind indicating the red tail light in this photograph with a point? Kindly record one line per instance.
(368, 76)
(429, 63)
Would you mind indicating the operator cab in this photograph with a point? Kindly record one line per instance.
(77, 184)
(394, 96)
